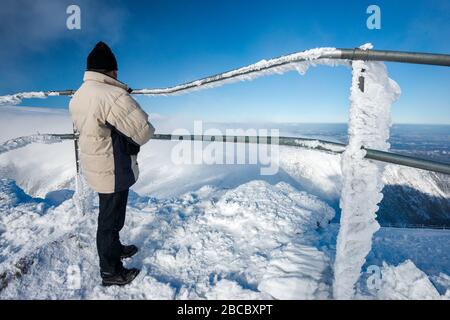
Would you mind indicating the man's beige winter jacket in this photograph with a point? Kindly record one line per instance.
(112, 127)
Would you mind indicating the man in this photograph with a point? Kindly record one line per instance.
(112, 127)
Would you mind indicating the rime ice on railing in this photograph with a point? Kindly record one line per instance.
(14, 99)
(299, 61)
(21, 142)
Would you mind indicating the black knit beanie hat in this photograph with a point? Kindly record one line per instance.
(101, 58)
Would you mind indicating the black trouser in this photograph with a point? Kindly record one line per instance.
(111, 219)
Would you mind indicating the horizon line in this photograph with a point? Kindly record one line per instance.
(243, 122)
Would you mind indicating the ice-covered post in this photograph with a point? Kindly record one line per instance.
(372, 94)
(84, 196)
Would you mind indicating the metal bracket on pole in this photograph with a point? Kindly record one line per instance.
(76, 145)
(361, 80)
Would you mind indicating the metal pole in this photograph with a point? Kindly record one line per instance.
(361, 81)
(396, 56)
(75, 138)
(408, 161)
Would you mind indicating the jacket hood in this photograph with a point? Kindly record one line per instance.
(103, 78)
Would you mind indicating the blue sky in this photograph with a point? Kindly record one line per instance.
(164, 43)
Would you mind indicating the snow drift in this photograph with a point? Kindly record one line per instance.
(262, 238)
(255, 241)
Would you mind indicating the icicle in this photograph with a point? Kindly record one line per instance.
(372, 94)
(84, 196)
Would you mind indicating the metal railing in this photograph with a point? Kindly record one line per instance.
(338, 54)
(326, 146)
(298, 142)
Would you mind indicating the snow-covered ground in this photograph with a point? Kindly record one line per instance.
(205, 232)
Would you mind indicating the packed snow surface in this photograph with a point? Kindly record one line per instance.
(256, 241)
(262, 237)
(369, 125)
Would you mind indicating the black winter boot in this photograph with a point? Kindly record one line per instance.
(123, 277)
(128, 251)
